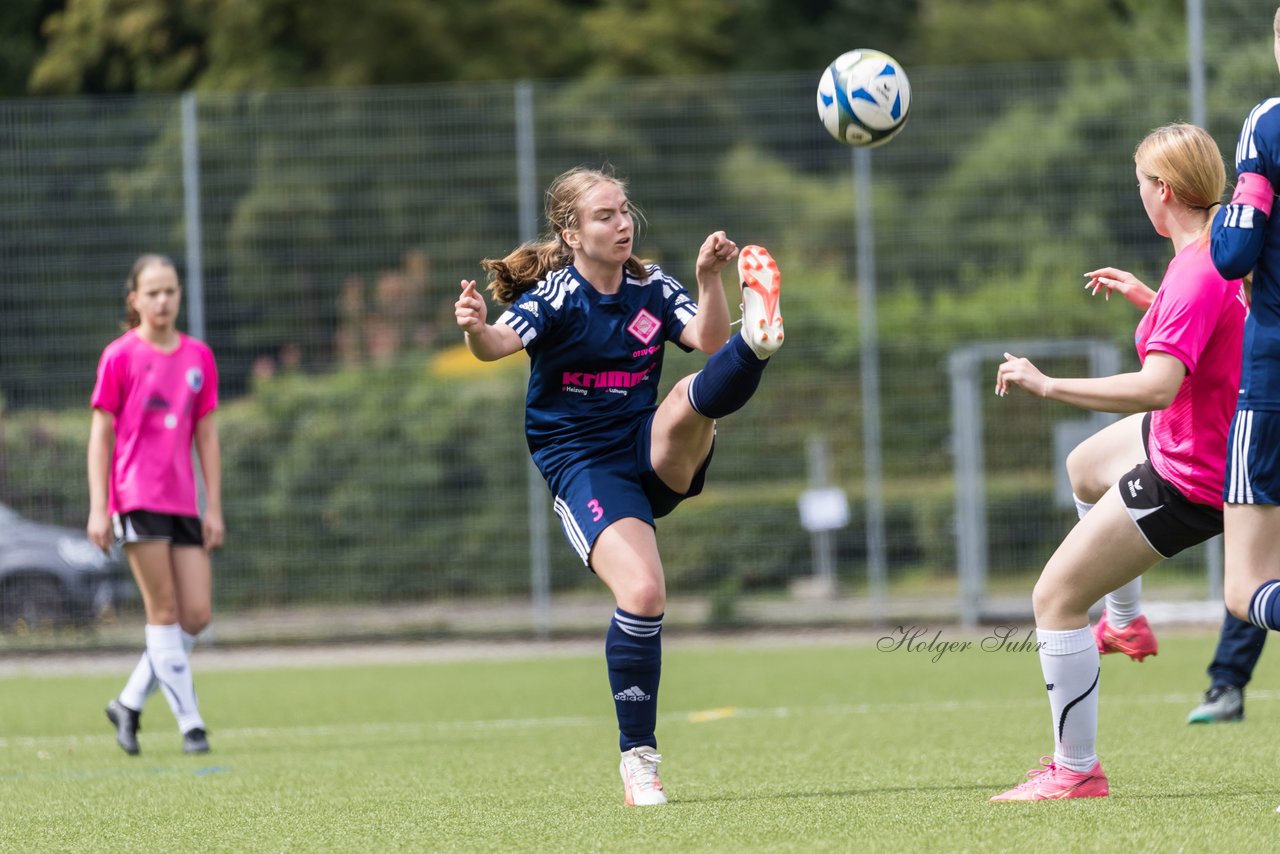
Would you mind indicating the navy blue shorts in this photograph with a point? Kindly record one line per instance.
(1253, 458)
(593, 494)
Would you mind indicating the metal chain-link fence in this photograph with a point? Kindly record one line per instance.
(321, 236)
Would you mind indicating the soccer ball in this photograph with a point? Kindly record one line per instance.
(864, 98)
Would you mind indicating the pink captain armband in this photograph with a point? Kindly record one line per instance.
(1255, 190)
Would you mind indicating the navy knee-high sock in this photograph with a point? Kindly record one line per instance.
(633, 651)
(728, 380)
(1264, 606)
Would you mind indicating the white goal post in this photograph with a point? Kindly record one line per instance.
(968, 381)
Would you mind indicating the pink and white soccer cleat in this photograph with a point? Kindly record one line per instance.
(1052, 783)
(1135, 640)
(640, 783)
(761, 290)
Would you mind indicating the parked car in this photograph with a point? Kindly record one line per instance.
(53, 576)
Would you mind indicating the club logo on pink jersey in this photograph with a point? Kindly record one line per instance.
(644, 326)
(195, 379)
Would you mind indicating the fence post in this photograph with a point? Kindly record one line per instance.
(971, 493)
(1195, 63)
(527, 188)
(191, 210)
(877, 571)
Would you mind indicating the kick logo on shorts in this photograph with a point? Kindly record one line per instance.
(195, 379)
(1135, 486)
(644, 326)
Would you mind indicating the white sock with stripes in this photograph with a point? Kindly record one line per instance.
(1071, 667)
(169, 660)
(142, 682)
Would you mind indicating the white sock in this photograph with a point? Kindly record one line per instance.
(1071, 674)
(169, 661)
(1124, 604)
(1082, 507)
(142, 682)
(140, 685)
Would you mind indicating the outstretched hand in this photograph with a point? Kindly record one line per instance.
(1022, 373)
(1123, 282)
(470, 310)
(717, 251)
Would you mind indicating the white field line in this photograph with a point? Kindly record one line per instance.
(213, 657)
(668, 719)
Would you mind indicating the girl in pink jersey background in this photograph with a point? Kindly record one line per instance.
(155, 395)
(1189, 343)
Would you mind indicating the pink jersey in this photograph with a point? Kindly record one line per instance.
(156, 399)
(1198, 318)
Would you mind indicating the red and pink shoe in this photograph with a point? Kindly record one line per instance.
(1053, 783)
(1135, 640)
(761, 291)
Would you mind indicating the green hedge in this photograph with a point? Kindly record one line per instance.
(391, 484)
(409, 481)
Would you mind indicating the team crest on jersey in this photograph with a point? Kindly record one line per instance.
(644, 326)
(195, 379)
(530, 306)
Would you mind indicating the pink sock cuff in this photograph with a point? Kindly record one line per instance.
(1254, 190)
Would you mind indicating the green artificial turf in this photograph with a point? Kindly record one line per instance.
(791, 747)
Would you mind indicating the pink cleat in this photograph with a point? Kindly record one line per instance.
(1051, 783)
(761, 290)
(1135, 640)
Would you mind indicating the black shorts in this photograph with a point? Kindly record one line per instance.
(1167, 519)
(143, 526)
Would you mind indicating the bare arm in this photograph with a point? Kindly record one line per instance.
(1154, 387)
(102, 439)
(210, 451)
(486, 342)
(709, 329)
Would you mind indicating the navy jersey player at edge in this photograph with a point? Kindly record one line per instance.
(1246, 237)
(593, 320)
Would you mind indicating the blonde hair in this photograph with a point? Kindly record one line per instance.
(529, 263)
(132, 320)
(1187, 159)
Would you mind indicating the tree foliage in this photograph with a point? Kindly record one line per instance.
(129, 46)
(20, 40)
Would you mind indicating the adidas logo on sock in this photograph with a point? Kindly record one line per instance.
(632, 694)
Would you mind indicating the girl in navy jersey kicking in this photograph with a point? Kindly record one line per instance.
(594, 320)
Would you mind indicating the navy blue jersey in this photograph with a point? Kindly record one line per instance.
(1244, 239)
(595, 359)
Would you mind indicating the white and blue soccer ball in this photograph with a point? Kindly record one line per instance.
(864, 98)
